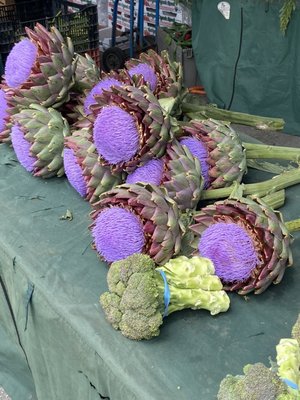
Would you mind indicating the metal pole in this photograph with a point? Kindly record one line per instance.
(156, 16)
(131, 33)
(114, 23)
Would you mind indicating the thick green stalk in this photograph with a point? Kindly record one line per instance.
(275, 200)
(209, 111)
(266, 166)
(256, 150)
(293, 225)
(284, 180)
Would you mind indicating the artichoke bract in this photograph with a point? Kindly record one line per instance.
(38, 140)
(83, 170)
(130, 127)
(140, 296)
(136, 219)
(87, 73)
(178, 171)
(247, 241)
(4, 118)
(219, 150)
(41, 69)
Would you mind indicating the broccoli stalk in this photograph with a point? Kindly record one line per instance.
(140, 295)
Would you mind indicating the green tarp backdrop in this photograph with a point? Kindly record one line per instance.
(55, 343)
(245, 62)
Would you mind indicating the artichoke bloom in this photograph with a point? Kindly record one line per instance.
(73, 172)
(219, 150)
(178, 171)
(104, 84)
(38, 140)
(247, 241)
(4, 116)
(136, 219)
(164, 78)
(130, 127)
(147, 72)
(41, 70)
(83, 170)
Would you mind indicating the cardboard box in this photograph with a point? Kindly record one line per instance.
(184, 56)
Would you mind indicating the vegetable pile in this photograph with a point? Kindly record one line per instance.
(279, 382)
(152, 165)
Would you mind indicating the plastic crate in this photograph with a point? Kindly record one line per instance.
(7, 13)
(94, 54)
(80, 26)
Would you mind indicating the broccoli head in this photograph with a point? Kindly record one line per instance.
(296, 330)
(257, 383)
(136, 301)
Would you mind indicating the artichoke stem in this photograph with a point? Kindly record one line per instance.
(255, 150)
(275, 200)
(284, 180)
(210, 111)
(293, 225)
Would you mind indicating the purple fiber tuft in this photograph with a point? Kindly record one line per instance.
(118, 233)
(231, 249)
(3, 110)
(115, 134)
(198, 149)
(151, 172)
(106, 83)
(22, 148)
(20, 62)
(73, 172)
(147, 72)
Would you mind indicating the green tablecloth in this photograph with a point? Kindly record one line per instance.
(52, 280)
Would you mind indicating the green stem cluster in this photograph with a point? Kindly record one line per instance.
(284, 180)
(194, 111)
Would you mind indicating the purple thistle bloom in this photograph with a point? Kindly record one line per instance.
(115, 134)
(151, 172)
(147, 72)
(20, 62)
(118, 233)
(22, 148)
(106, 83)
(73, 172)
(231, 249)
(198, 150)
(3, 110)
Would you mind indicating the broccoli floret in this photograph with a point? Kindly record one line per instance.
(135, 303)
(257, 383)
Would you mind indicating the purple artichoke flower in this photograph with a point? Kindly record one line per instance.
(106, 83)
(231, 249)
(3, 110)
(19, 63)
(118, 233)
(22, 148)
(147, 72)
(115, 135)
(198, 149)
(74, 173)
(151, 172)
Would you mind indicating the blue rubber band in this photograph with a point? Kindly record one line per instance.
(291, 384)
(167, 295)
